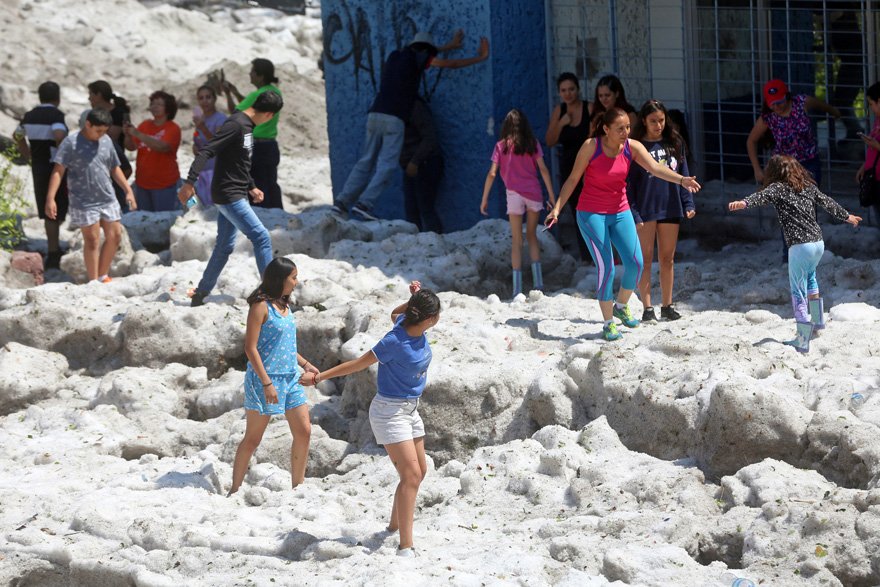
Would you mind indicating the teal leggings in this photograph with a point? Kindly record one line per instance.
(802, 262)
(600, 231)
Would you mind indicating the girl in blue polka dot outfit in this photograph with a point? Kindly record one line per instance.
(272, 381)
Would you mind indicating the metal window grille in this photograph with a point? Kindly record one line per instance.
(711, 58)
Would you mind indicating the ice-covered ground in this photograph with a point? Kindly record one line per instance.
(688, 451)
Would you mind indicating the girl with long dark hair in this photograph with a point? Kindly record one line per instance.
(569, 127)
(518, 156)
(658, 206)
(609, 95)
(272, 381)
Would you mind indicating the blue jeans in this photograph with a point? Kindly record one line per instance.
(157, 200)
(379, 162)
(235, 217)
(802, 262)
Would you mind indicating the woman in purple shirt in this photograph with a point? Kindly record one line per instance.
(786, 117)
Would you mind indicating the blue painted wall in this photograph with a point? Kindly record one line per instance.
(468, 104)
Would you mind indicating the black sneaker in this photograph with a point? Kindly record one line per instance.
(198, 299)
(669, 313)
(338, 209)
(648, 314)
(363, 212)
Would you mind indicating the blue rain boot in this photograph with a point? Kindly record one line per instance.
(537, 278)
(801, 342)
(817, 313)
(517, 282)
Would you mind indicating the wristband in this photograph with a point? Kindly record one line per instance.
(681, 181)
(267, 384)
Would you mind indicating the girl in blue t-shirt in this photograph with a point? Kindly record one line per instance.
(403, 355)
(272, 381)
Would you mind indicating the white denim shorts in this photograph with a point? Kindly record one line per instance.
(395, 420)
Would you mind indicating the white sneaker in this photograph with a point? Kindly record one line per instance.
(407, 552)
(359, 211)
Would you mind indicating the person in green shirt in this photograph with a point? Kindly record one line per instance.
(266, 155)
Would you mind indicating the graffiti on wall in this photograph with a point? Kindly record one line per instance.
(351, 39)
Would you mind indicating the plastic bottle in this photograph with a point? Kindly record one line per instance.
(731, 580)
(856, 399)
(191, 203)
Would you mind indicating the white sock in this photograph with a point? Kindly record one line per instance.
(619, 306)
(607, 322)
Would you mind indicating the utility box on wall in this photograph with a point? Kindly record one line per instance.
(468, 104)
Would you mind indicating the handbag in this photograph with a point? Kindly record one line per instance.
(869, 188)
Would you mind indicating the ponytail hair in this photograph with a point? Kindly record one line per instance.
(265, 69)
(607, 119)
(272, 287)
(422, 305)
(102, 88)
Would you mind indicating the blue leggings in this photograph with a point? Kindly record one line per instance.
(600, 231)
(802, 262)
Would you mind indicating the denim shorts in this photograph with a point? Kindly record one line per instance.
(395, 420)
(290, 393)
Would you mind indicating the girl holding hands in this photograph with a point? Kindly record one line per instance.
(272, 381)
(403, 355)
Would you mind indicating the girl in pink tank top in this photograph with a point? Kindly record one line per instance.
(604, 190)
(604, 217)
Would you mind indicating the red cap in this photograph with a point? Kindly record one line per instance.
(775, 91)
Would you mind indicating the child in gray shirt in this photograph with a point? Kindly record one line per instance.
(90, 160)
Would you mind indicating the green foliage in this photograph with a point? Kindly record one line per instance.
(12, 202)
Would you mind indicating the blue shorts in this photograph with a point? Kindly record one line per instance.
(290, 393)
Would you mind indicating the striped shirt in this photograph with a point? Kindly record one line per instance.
(39, 126)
